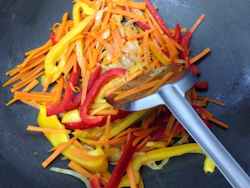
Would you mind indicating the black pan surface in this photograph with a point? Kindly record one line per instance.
(25, 25)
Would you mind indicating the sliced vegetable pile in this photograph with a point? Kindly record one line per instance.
(108, 43)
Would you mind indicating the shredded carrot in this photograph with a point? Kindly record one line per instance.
(111, 142)
(79, 37)
(217, 121)
(85, 86)
(85, 156)
(125, 132)
(138, 139)
(105, 112)
(199, 56)
(79, 145)
(15, 88)
(31, 103)
(61, 31)
(33, 64)
(59, 89)
(14, 71)
(159, 84)
(172, 133)
(197, 23)
(102, 55)
(169, 125)
(131, 4)
(106, 146)
(14, 79)
(129, 14)
(104, 42)
(154, 21)
(146, 131)
(70, 64)
(46, 85)
(57, 152)
(124, 94)
(148, 121)
(121, 26)
(98, 130)
(78, 168)
(131, 176)
(147, 46)
(107, 14)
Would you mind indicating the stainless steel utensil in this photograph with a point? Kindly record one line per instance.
(172, 94)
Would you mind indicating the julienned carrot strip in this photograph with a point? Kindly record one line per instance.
(129, 14)
(78, 168)
(46, 85)
(94, 56)
(40, 54)
(125, 132)
(35, 52)
(79, 37)
(79, 145)
(146, 131)
(154, 21)
(147, 46)
(85, 156)
(116, 34)
(61, 31)
(172, 133)
(31, 103)
(131, 4)
(213, 101)
(48, 43)
(98, 130)
(150, 79)
(14, 71)
(169, 125)
(43, 93)
(107, 14)
(29, 87)
(57, 152)
(138, 139)
(30, 96)
(203, 53)
(33, 64)
(41, 129)
(117, 45)
(128, 51)
(56, 147)
(85, 86)
(26, 82)
(148, 121)
(32, 73)
(105, 112)
(69, 65)
(104, 42)
(136, 90)
(121, 26)
(90, 57)
(197, 23)
(156, 32)
(14, 79)
(111, 142)
(216, 121)
(158, 85)
(106, 146)
(131, 175)
(102, 55)
(59, 89)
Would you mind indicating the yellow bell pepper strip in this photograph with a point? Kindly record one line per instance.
(56, 138)
(72, 116)
(125, 124)
(78, 7)
(163, 153)
(162, 58)
(57, 51)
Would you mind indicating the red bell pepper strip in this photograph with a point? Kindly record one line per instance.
(53, 38)
(97, 86)
(177, 34)
(81, 125)
(158, 18)
(202, 85)
(68, 96)
(143, 26)
(95, 181)
(76, 102)
(194, 69)
(199, 110)
(123, 162)
(184, 43)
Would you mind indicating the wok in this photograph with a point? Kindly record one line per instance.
(25, 25)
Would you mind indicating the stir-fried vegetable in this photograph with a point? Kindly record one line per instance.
(107, 44)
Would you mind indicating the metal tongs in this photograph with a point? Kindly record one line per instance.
(172, 94)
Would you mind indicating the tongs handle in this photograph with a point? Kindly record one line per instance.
(175, 100)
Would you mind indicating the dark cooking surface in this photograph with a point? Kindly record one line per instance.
(25, 25)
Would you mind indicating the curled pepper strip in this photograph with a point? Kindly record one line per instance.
(76, 102)
(160, 154)
(68, 96)
(57, 51)
(97, 86)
